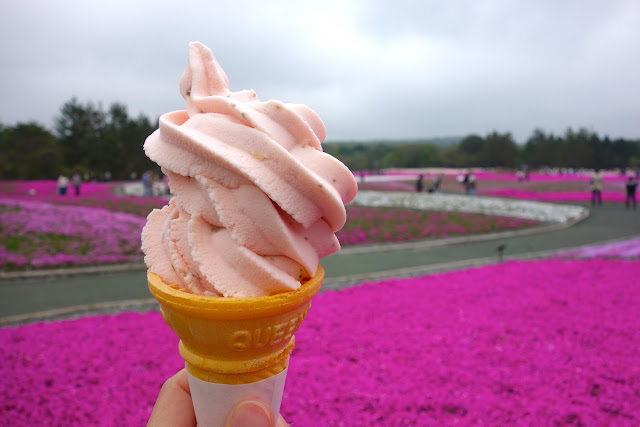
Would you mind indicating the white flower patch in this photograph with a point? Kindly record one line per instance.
(525, 209)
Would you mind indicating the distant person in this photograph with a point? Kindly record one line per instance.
(596, 188)
(437, 182)
(147, 184)
(63, 183)
(631, 186)
(520, 174)
(469, 182)
(76, 181)
(419, 184)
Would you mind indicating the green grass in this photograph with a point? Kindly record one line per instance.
(27, 244)
(13, 243)
(8, 209)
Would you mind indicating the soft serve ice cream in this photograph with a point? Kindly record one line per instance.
(256, 201)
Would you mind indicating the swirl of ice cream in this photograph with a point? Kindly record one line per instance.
(256, 200)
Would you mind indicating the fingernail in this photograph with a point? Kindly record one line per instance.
(252, 413)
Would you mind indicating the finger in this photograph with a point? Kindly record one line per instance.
(251, 413)
(174, 406)
(281, 422)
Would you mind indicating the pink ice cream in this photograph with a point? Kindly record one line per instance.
(257, 201)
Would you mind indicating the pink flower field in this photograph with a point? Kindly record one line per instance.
(92, 195)
(36, 234)
(41, 229)
(559, 196)
(622, 249)
(530, 343)
(368, 225)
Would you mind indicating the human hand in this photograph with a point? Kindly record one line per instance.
(174, 408)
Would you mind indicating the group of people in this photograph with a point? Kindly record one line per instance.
(63, 183)
(597, 185)
(433, 189)
(152, 185)
(468, 180)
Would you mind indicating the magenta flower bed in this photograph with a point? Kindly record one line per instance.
(35, 234)
(623, 249)
(584, 196)
(92, 194)
(48, 191)
(41, 229)
(523, 343)
(409, 186)
(607, 176)
(541, 187)
(366, 225)
(481, 175)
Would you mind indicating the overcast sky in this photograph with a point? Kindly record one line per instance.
(370, 69)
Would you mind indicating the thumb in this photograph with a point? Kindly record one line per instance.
(253, 413)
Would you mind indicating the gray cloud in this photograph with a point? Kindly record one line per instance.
(371, 69)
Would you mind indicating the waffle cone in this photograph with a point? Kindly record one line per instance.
(234, 340)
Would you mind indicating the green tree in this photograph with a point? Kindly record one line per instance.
(453, 157)
(403, 156)
(374, 155)
(123, 141)
(581, 148)
(139, 130)
(79, 129)
(359, 156)
(96, 141)
(498, 150)
(28, 151)
(623, 152)
(470, 148)
(543, 150)
(430, 155)
(114, 134)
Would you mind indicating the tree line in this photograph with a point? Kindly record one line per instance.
(86, 139)
(574, 149)
(93, 141)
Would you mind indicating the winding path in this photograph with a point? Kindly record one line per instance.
(57, 295)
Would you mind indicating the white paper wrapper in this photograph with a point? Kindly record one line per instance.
(213, 402)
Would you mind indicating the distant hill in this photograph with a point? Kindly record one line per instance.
(443, 141)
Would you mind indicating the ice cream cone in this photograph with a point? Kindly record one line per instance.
(234, 341)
